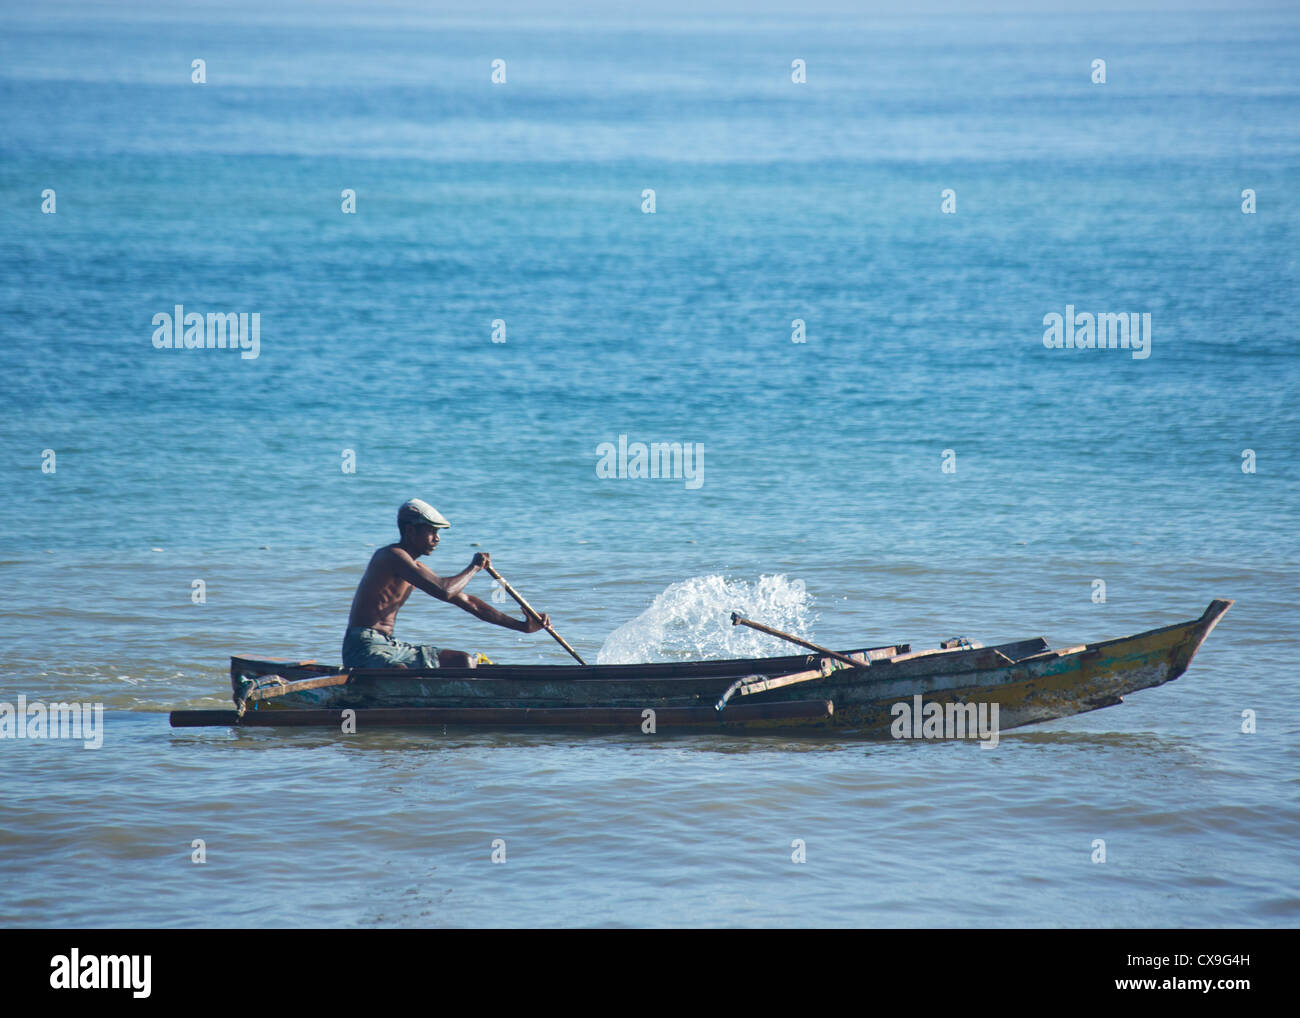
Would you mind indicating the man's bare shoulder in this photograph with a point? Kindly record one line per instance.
(393, 558)
(389, 556)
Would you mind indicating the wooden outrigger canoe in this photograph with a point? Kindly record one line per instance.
(1029, 681)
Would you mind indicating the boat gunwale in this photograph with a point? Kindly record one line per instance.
(1208, 619)
(683, 670)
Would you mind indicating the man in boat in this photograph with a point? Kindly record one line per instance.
(395, 571)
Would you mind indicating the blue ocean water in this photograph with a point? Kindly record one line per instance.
(822, 461)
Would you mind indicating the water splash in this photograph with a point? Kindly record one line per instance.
(691, 620)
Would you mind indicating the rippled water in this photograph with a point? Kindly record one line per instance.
(307, 829)
(823, 508)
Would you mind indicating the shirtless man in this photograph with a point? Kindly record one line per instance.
(389, 579)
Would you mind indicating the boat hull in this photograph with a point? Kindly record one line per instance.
(1029, 682)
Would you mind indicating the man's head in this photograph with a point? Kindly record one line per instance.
(419, 524)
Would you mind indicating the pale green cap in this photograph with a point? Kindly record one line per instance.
(419, 511)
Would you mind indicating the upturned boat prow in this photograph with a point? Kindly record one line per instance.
(1020, 683)
(1217, 609)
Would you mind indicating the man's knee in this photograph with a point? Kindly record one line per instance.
(456, 659)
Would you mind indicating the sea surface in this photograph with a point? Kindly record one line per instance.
(919, 466)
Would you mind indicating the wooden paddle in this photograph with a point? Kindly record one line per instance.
(532, 612)
(739, 620)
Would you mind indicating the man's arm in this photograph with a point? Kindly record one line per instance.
(482, 610)
(451, 589)
(421, 576)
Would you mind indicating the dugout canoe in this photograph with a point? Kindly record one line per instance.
(1030, 682)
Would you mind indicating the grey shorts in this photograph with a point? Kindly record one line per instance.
(369, 648)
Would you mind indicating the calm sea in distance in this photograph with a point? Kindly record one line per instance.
(912, 464)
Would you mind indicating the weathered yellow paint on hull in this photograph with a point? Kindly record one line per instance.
(1096, 676)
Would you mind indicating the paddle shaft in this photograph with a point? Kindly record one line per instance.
(739, 620)
(530, 610)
